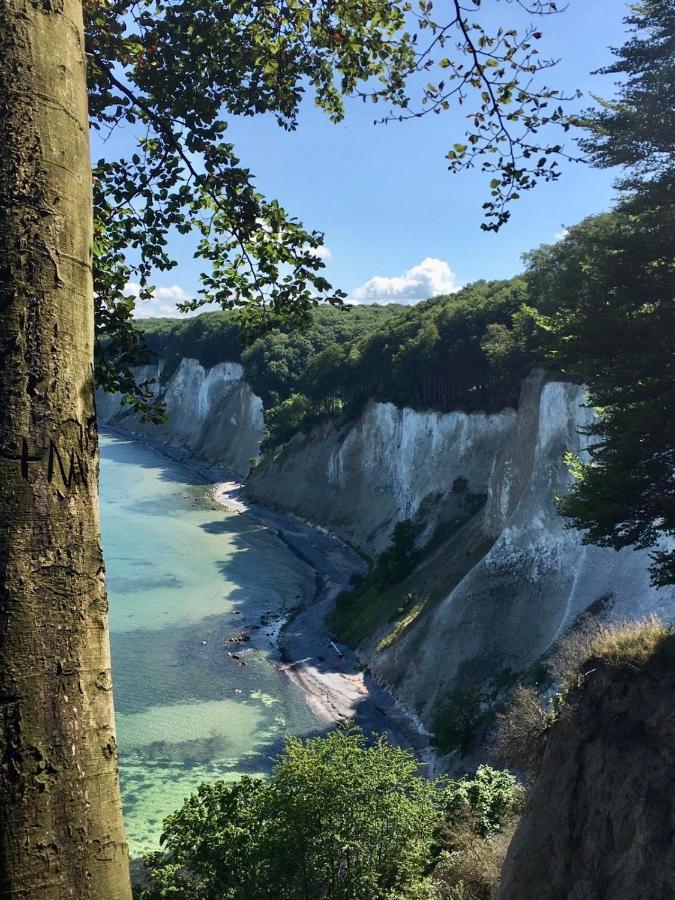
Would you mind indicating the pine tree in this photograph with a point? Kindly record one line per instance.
(636, 130)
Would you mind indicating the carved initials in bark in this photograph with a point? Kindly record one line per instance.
(80, 475)
(61, 832)
(77, 472)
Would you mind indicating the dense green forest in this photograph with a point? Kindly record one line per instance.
(445, 353)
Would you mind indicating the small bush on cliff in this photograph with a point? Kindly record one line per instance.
(479, 816)
(520, 734)
(399, 559)
(484, 803)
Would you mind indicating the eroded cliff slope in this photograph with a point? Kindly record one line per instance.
(600, 818)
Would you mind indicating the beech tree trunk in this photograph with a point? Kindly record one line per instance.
(61, 832)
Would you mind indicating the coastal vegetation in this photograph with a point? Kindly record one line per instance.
(595, 307)
(341, 818)
(524, 722)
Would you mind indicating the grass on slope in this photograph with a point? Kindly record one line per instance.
(628, 643)
(369, 609)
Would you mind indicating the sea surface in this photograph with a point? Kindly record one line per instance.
(182, 577)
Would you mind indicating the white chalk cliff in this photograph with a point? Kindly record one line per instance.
(391, 464)
(213, 413)
(520, 576)
(537, 577)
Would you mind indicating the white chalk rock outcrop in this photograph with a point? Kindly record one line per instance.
(391, 464)
(537, 578)
(213, 413)
(534, 576)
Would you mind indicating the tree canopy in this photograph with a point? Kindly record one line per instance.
(173, 73)
(613, 280)
(338, 819)
(603, 304)
(341, 818)
(636, 129)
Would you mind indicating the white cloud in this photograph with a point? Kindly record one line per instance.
(322, 251)
(427, 279)
(561, 235)
(162, 304)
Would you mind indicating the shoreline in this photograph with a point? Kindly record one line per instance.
(334, 681)
(331, 677)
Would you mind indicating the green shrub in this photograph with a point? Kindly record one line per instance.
(399, 559)
(479, 817)
(483, 803)
(338, 819)
(285, 419)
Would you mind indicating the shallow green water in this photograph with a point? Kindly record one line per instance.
(178, 573)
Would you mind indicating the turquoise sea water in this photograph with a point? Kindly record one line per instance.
(181, 573)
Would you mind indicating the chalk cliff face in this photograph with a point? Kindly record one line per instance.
(211, 412)
(392, 464)
(534, 581)
(533, 576)
(513, 577)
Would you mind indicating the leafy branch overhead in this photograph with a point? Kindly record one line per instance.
(495, 75)
(173, 72)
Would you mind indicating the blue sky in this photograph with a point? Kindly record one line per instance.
(383, 195)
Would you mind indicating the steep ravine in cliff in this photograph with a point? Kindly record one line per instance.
(502, 577)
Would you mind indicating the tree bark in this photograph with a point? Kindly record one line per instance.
(61, 832)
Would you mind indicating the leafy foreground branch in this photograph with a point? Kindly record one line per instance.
(175, 73)
(340, 818)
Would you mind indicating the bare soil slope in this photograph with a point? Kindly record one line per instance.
(600, 821)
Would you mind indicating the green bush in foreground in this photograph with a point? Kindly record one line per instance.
(337, 819)
(340, 818)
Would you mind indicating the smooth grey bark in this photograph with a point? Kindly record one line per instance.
(61, 831)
